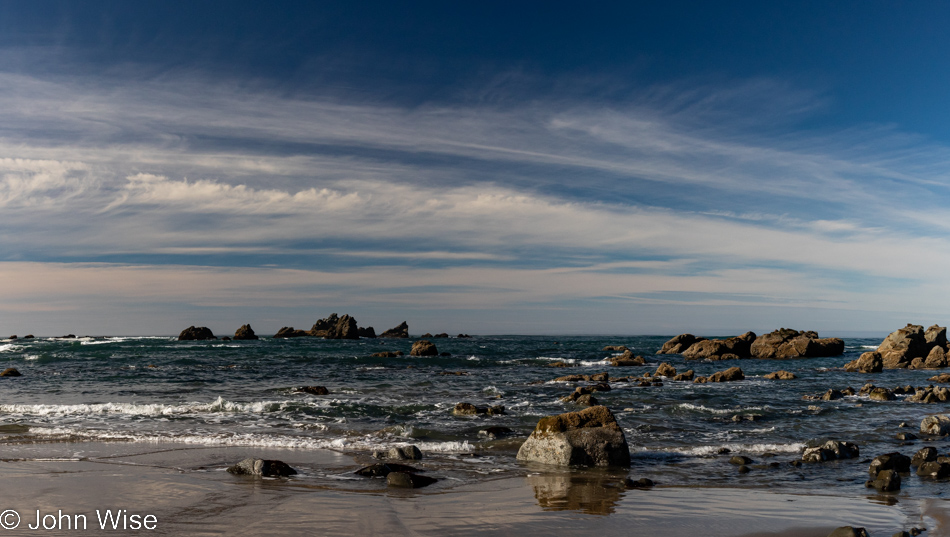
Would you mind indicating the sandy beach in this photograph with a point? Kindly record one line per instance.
(188, 492)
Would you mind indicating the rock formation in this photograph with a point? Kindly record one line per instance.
(721, 349)
(729, 375)
(288, 331)
(626, 359)
(401, 331)
(590, 437)
(788, 343)
(679, 344)
(900, 347)
(245, 333)
(335, 327)
(869, 362)
(424, 347)
(196, 333)
(367, 332)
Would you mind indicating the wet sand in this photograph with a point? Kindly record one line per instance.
(188, 492)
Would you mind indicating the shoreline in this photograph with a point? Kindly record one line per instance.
(188, 491)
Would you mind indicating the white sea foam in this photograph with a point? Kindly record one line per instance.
(700, 451)
(219, 405)
(11, 347)
(104, 341)
(702, 408)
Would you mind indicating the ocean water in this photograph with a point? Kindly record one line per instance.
(157, 390)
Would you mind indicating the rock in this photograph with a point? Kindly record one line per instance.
(848, 531)
(195, 333)
(882, 394)
(463, 336)
(590, 437)
(642, 483)
(615, 348)
(586, 400)
(560, 364)
(740, 460)
(408, 480)
(886, 481)
(468, 409)
(401, 331)
(600, 377)
(729, 375)
(721, 349)
(900, 347)
(889, 461)
(426, 335)
(496, 432)
(10, 372)
(818, 454)
(938, 424)
(787, 343)
(626, 359)
(665, 370)
(335, 327)
(831, 395)
(869, 362)
(905, 436)
(423, 347)
(927, 454)
(943, 377)
(367, 332)
(930, 394)
(842, 450)
(679, 344)
(387, 354)
(225, 338)
(262, 467)
(936, 336)
(781, 375)
(409, 452)
(686, 375)
(442, 335)
(245, 333)
(288, 331)
(12, 337)
(934, 470)
(314, 390)
(382, 469)
(936, 359)
(28, 336)
(572, 378)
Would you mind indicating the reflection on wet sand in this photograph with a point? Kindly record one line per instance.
(587, 492)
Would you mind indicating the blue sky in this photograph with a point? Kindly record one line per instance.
(627, 168)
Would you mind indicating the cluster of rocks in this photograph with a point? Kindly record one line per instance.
(664, 370)
(314, 390)
(468, 409)
(927, 394)
(14, 337)
(886, 470)
(911, 347)
(830, 451)
(783, 343)
(332, 327)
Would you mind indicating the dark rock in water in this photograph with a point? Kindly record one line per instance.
(869, 362)
(409, 452)
(900, 347)
(685, 376)
(927, 454)
(335, 327)
(12, 337)
(463, 336)
(744, 469)
(441, 335)
(781, 375)
(719, 349)
(905, 436)
(882, 394)
(445, 354)
(468, 409)
(408, 480)
(382, 469)
(729, 375)
(496, 432)
(424, 347)
(616, 348)
(600, 377)
(245, 333)
(288, 331)
(848, 531)
(886, 481)
(590, 437)
(626, 359)
(934, 470)
(560, 364)
(665, 370)
(740, 460)
(225, 338)
(314, 390)
(679, 344)
(401, 331)
(642, 483)
(262, 467)
(786, 343)
(10, 372)
(426, 335)
(387, 354)
(930, 394)
(28, 336)
(586, 400)
(831, 450)
(67, 336)
(367, 332)
(195, 334)
(889, 461)
(818, 454)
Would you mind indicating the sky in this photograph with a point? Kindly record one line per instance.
(481, 167)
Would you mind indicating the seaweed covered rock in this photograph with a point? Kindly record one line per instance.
(590, 437)
(401, 331)
(245, 333)
(198, 333)
(787, 343)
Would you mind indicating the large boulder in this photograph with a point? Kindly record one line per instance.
(900, 348)
(590, 437)
(679, 344)
(262, 467)
(198, 333)
(424, 347)
(335, 327)
(718, 349)
(889, 461)
(288, 331)
(245, 333)
(401, 331)
(869, 362)
(938, 424)
(788, 343)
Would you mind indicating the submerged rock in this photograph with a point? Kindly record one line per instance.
(193, 333)
(314, 390)
(409, 452)
(615, 348)
(382, 469)
(496, 432)
(262, 467)
(387, 354)
(409, 480)
(685, 376)
(10, 372)
(468, 409)
(401, 331)
(590, 437)
(245, 333)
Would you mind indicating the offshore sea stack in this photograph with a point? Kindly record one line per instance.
(590, 437)
(245, 333)
(788, 343)
(912, 347)
(335, 327)
(193, 333)
(401, 331)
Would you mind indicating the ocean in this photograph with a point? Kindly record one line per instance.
(131, 391)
